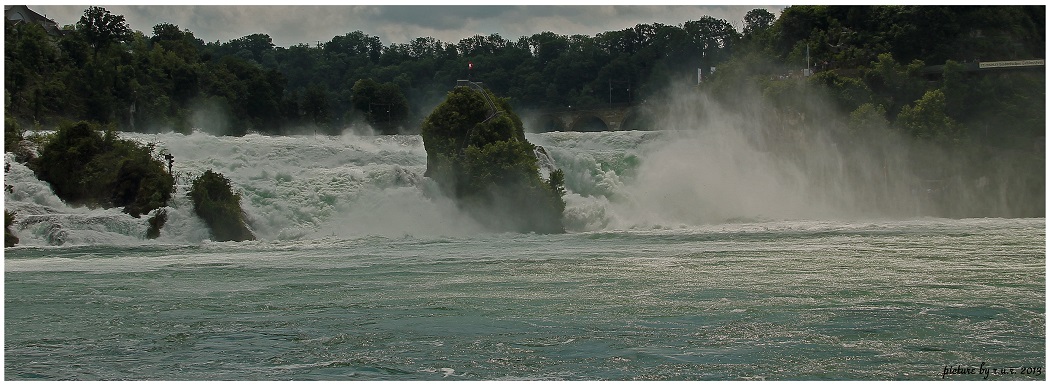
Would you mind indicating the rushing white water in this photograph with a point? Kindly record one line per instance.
(708, 166)
(353, 186)
(346, 186)
(291, 187)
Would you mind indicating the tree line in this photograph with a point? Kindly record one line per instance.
(103, 71)
(868, 57)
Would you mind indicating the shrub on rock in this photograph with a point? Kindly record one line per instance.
(9, 238)
(88, 167)
(216, 203)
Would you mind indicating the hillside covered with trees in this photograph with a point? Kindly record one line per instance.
(167, 79)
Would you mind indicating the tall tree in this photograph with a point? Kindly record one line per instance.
(102, 29)
(757, 21)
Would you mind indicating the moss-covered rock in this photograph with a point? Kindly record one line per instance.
(10, 239)
(86, 166)
(477, 153)
(216, 203)
(155, 223)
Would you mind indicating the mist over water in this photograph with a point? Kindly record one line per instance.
(749, 162)
(746, 159)
(710, 163)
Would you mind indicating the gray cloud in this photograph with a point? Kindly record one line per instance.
(290, 25)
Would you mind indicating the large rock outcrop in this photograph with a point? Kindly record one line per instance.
(477, 154)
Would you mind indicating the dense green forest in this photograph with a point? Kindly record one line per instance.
(868, 57)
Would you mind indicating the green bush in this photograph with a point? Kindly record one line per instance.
(9, 238)
(87, 167)
(477, 153)
(927, 119)
(216, 203)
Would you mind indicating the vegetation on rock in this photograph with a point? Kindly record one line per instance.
(155, 223)
(477, 153)
(220, 208)
(9, 238)
(88, 167)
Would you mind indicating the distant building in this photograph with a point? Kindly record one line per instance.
(16, 14)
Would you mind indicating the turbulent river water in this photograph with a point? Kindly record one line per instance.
(683, 260)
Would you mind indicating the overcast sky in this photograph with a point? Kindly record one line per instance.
(290, 25)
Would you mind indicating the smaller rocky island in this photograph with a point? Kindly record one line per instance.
(90, 165)
(216, 203)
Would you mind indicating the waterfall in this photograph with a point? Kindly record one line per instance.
(694, 172)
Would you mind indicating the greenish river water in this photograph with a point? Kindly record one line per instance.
(777, 300)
